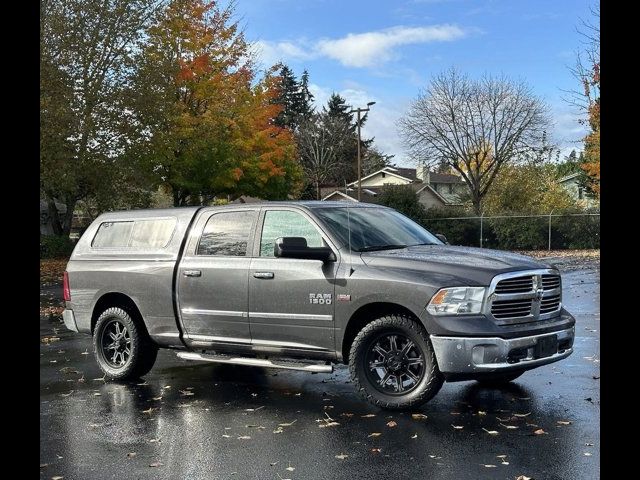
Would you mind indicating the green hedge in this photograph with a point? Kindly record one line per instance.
(55, 246)
(567, 232)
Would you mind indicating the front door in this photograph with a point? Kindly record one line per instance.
(291, 301)
(213, 278)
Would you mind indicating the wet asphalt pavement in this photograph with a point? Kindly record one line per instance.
(192, 420)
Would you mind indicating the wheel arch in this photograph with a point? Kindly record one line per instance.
(366, 314)
(117, 299)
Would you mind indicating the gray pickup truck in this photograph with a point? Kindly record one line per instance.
(304, 285)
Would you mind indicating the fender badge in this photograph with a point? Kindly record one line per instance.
(344, 298)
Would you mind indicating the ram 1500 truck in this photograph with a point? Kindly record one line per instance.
(305, 285)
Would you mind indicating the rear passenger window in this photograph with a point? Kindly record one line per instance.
(227, 234)
(147, 233)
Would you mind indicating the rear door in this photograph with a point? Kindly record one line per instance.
(213, 277)
(291, 300)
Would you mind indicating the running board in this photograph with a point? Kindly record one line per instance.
(256, 362)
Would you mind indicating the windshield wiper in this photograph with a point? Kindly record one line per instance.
(374, 248)
(418, 244)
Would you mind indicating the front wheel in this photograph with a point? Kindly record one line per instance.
(122, 348)
(393, 364)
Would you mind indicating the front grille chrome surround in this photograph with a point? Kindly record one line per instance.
(524, 296)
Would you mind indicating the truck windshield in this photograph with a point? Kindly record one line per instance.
(374, 228)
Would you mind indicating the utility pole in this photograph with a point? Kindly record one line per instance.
(359, 111)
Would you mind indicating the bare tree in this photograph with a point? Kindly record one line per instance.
(321, 139)
(474, 126)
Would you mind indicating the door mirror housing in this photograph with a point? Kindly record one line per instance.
(296, 247)
(442, 238)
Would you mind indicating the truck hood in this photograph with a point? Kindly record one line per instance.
(465, 263)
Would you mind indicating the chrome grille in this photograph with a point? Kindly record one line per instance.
(515, 285)
(526, 296)
(549, 282)
(511, 308)
(550, 304)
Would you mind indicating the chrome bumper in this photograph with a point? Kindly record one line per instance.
(69, 320)
(491, 354)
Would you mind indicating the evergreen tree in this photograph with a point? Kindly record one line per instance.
(305, 105)
(288, 98)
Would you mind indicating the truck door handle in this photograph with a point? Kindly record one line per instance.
(192, 273)
(263, 274)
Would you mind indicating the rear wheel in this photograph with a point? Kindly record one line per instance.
(393, 364)
(122, 348)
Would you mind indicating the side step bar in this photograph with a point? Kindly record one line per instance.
(256, 362)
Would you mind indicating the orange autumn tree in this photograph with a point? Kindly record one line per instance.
(205, 121)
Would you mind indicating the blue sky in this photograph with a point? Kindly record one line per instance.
(386, 51)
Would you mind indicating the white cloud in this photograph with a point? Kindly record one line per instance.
(370, 48)
(357, 49)
(273, 52)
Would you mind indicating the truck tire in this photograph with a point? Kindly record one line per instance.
(122, 348)
(393, 365)
(498, 380)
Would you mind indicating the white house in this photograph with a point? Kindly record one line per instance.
(434, 189)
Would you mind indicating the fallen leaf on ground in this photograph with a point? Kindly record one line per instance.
(259, 427)
(501, 456)
(488, 466)
(156, 464)
(539, 432)
(522, 477)
(131, 454)
(415, 435)
(521, 415)
(253, 409)
(588, 444)
(481, 412)
(290, 468)
(374, 434)
(587, 454)
(328, 424)
(278, 430)
(368, 415)
(458, 427)
(224, 435)
(287, 424)
(151, 409)
(491, 432)
(348, 415)
(50, 339)
(97, 394)
(187, 393)
(44, 465)
(392, 424)
(244, 437)
(58, 477)
(509, 427)
(69, 370)
(342, 456)
(563, 422)
(376, 450)
(419, 416)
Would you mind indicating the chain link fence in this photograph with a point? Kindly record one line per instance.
(521, 232)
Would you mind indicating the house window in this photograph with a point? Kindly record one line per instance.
(451, 188)
(384, 175)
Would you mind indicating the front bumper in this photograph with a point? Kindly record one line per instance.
(478, 355)
(69, 320)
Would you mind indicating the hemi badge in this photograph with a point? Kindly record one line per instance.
(344, 298)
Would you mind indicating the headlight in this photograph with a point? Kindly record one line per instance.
(456, 301)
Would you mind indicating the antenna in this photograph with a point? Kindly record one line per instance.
(349, 230)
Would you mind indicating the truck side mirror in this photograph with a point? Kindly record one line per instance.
(296, 247)
(442, 238)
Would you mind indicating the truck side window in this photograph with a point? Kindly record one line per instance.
(285, 223)
(227, 234)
